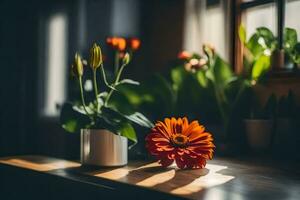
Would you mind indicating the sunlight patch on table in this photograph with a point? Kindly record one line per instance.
(38, 166)
(211, 179)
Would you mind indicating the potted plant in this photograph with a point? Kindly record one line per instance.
(262, 51)
(207, 88)
(259, 126)
(105, 130)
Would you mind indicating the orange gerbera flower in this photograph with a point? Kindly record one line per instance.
(178, 140)
(117, 43)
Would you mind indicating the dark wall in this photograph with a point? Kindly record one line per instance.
(18, 50)
(161, 33)
(22, 129)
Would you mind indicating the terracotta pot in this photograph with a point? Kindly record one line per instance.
(101, 147)
(258, 133)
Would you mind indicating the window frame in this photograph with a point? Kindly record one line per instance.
(239, 7)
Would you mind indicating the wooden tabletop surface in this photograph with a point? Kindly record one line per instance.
(221, 179)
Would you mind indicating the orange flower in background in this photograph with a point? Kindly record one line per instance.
(178, 140)
(195, 64)
(184, 55)
(117, 43)
(134, 43)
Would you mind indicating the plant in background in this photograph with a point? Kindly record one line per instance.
(154, 96)
(265, 112)
(292, 45)
(100, 113)
(207, 84)
(260, 47)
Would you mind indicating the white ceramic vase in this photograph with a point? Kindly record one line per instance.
(100, 147)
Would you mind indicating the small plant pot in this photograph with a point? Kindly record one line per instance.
(100, 147)
(258, 133)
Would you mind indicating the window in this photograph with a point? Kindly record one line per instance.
(264, 15)
(257, 13)
(203, 22)
(292, 15)
(54, 87)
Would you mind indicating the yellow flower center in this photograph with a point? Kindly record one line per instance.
(179, 140)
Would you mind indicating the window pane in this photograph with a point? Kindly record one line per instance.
(55, 73)
(293, 15)
(204, 24)
(260, 16)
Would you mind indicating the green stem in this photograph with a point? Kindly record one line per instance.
(117, 59)
(82, 96)
(115, 83)
(104, 78)
(108, 97)
(119, 74)
(96, 88)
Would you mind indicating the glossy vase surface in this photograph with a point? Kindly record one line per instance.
(101, 147)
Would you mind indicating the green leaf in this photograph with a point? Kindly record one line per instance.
(128, 81)
(201, 78)
(260, 67)
(117, 123)
(102, 94)
(136, 117)
(126, 130)
(254, 46)
(72, 120)
(222, 72)
(139, 119)
(296, 53)
(242, 34)
(290, 38)
(178, 75)
(267, 35)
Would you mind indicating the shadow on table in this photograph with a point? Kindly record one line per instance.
(159, 177)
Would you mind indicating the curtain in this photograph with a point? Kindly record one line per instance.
(207, 24)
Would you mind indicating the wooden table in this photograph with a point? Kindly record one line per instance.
(39, 177)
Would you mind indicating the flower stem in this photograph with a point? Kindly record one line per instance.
(104, 78)
(119, 74)
(96, 88)
(115, 83)
(82, 96)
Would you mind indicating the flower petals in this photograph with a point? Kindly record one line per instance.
(191, 153)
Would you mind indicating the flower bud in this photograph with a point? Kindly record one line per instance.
(77, 66)
(95, 57)
(126, 59)
(209, 50)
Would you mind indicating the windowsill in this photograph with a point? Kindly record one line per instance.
(140, 179)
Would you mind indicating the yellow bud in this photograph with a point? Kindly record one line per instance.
(126, 59)
(77, 66)
(95, 57)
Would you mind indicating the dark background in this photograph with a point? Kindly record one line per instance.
(22, 129)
